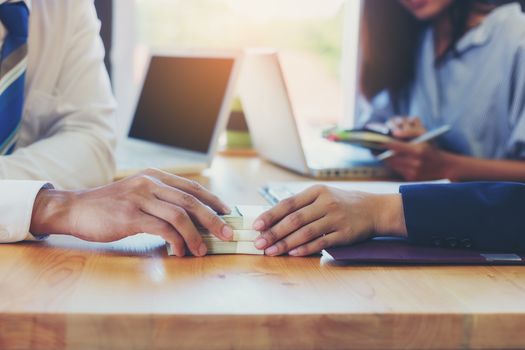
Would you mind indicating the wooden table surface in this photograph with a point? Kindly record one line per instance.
(69, 294)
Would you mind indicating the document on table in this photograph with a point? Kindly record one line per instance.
(274, 192)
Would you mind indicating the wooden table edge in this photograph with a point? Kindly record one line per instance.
(262, 331)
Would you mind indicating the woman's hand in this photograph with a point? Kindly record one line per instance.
(420, 162)
(152, 201)
(321, 217)
(406, 128)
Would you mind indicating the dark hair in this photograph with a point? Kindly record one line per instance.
(391, 36)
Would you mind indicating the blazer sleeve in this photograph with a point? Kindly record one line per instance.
(488, 216)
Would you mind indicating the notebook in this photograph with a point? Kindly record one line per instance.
(389, 250)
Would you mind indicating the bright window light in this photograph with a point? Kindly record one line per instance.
(311, 35)
(267, 10)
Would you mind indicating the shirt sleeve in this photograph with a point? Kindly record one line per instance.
(77, 150)
(379, 110)
(486, 216)
(516, 143)
(16, 205)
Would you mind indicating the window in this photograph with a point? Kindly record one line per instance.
(309, 34)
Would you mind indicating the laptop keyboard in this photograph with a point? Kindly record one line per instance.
(140, 155)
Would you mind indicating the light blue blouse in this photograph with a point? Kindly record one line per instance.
(480, 93)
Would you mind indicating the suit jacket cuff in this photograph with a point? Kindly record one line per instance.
(486, 215)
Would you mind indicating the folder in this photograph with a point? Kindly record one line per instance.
(389, 250)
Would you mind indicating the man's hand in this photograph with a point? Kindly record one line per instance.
(152, 201)
(321, 217)
(420, 162)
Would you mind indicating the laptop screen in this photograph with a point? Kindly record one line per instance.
(181, 101)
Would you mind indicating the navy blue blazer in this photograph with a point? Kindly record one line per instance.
(483, 215)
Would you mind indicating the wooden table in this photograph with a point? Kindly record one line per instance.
(68, 294)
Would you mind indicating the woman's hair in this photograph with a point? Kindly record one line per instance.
(390, 39)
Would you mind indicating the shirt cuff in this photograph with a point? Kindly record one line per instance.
(17, 198)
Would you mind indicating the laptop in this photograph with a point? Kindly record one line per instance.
(276, 134)
(181, 112)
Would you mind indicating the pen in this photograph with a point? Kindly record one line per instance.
(421, 139)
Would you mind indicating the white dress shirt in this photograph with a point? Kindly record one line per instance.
(67, 134)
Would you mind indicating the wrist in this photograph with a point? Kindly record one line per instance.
(454, 167)
(389, 216)
(51, 212)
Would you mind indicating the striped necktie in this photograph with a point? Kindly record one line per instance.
(13, 64)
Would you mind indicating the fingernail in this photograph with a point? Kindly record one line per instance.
(226, 209)
(260, 243)
(203, 249)
(294, 252)
(176, 250)
(227, 232)
(271, 251)
(258, 225)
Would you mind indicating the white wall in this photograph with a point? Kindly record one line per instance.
(123, 58)
(350, 60)
(129, 61)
